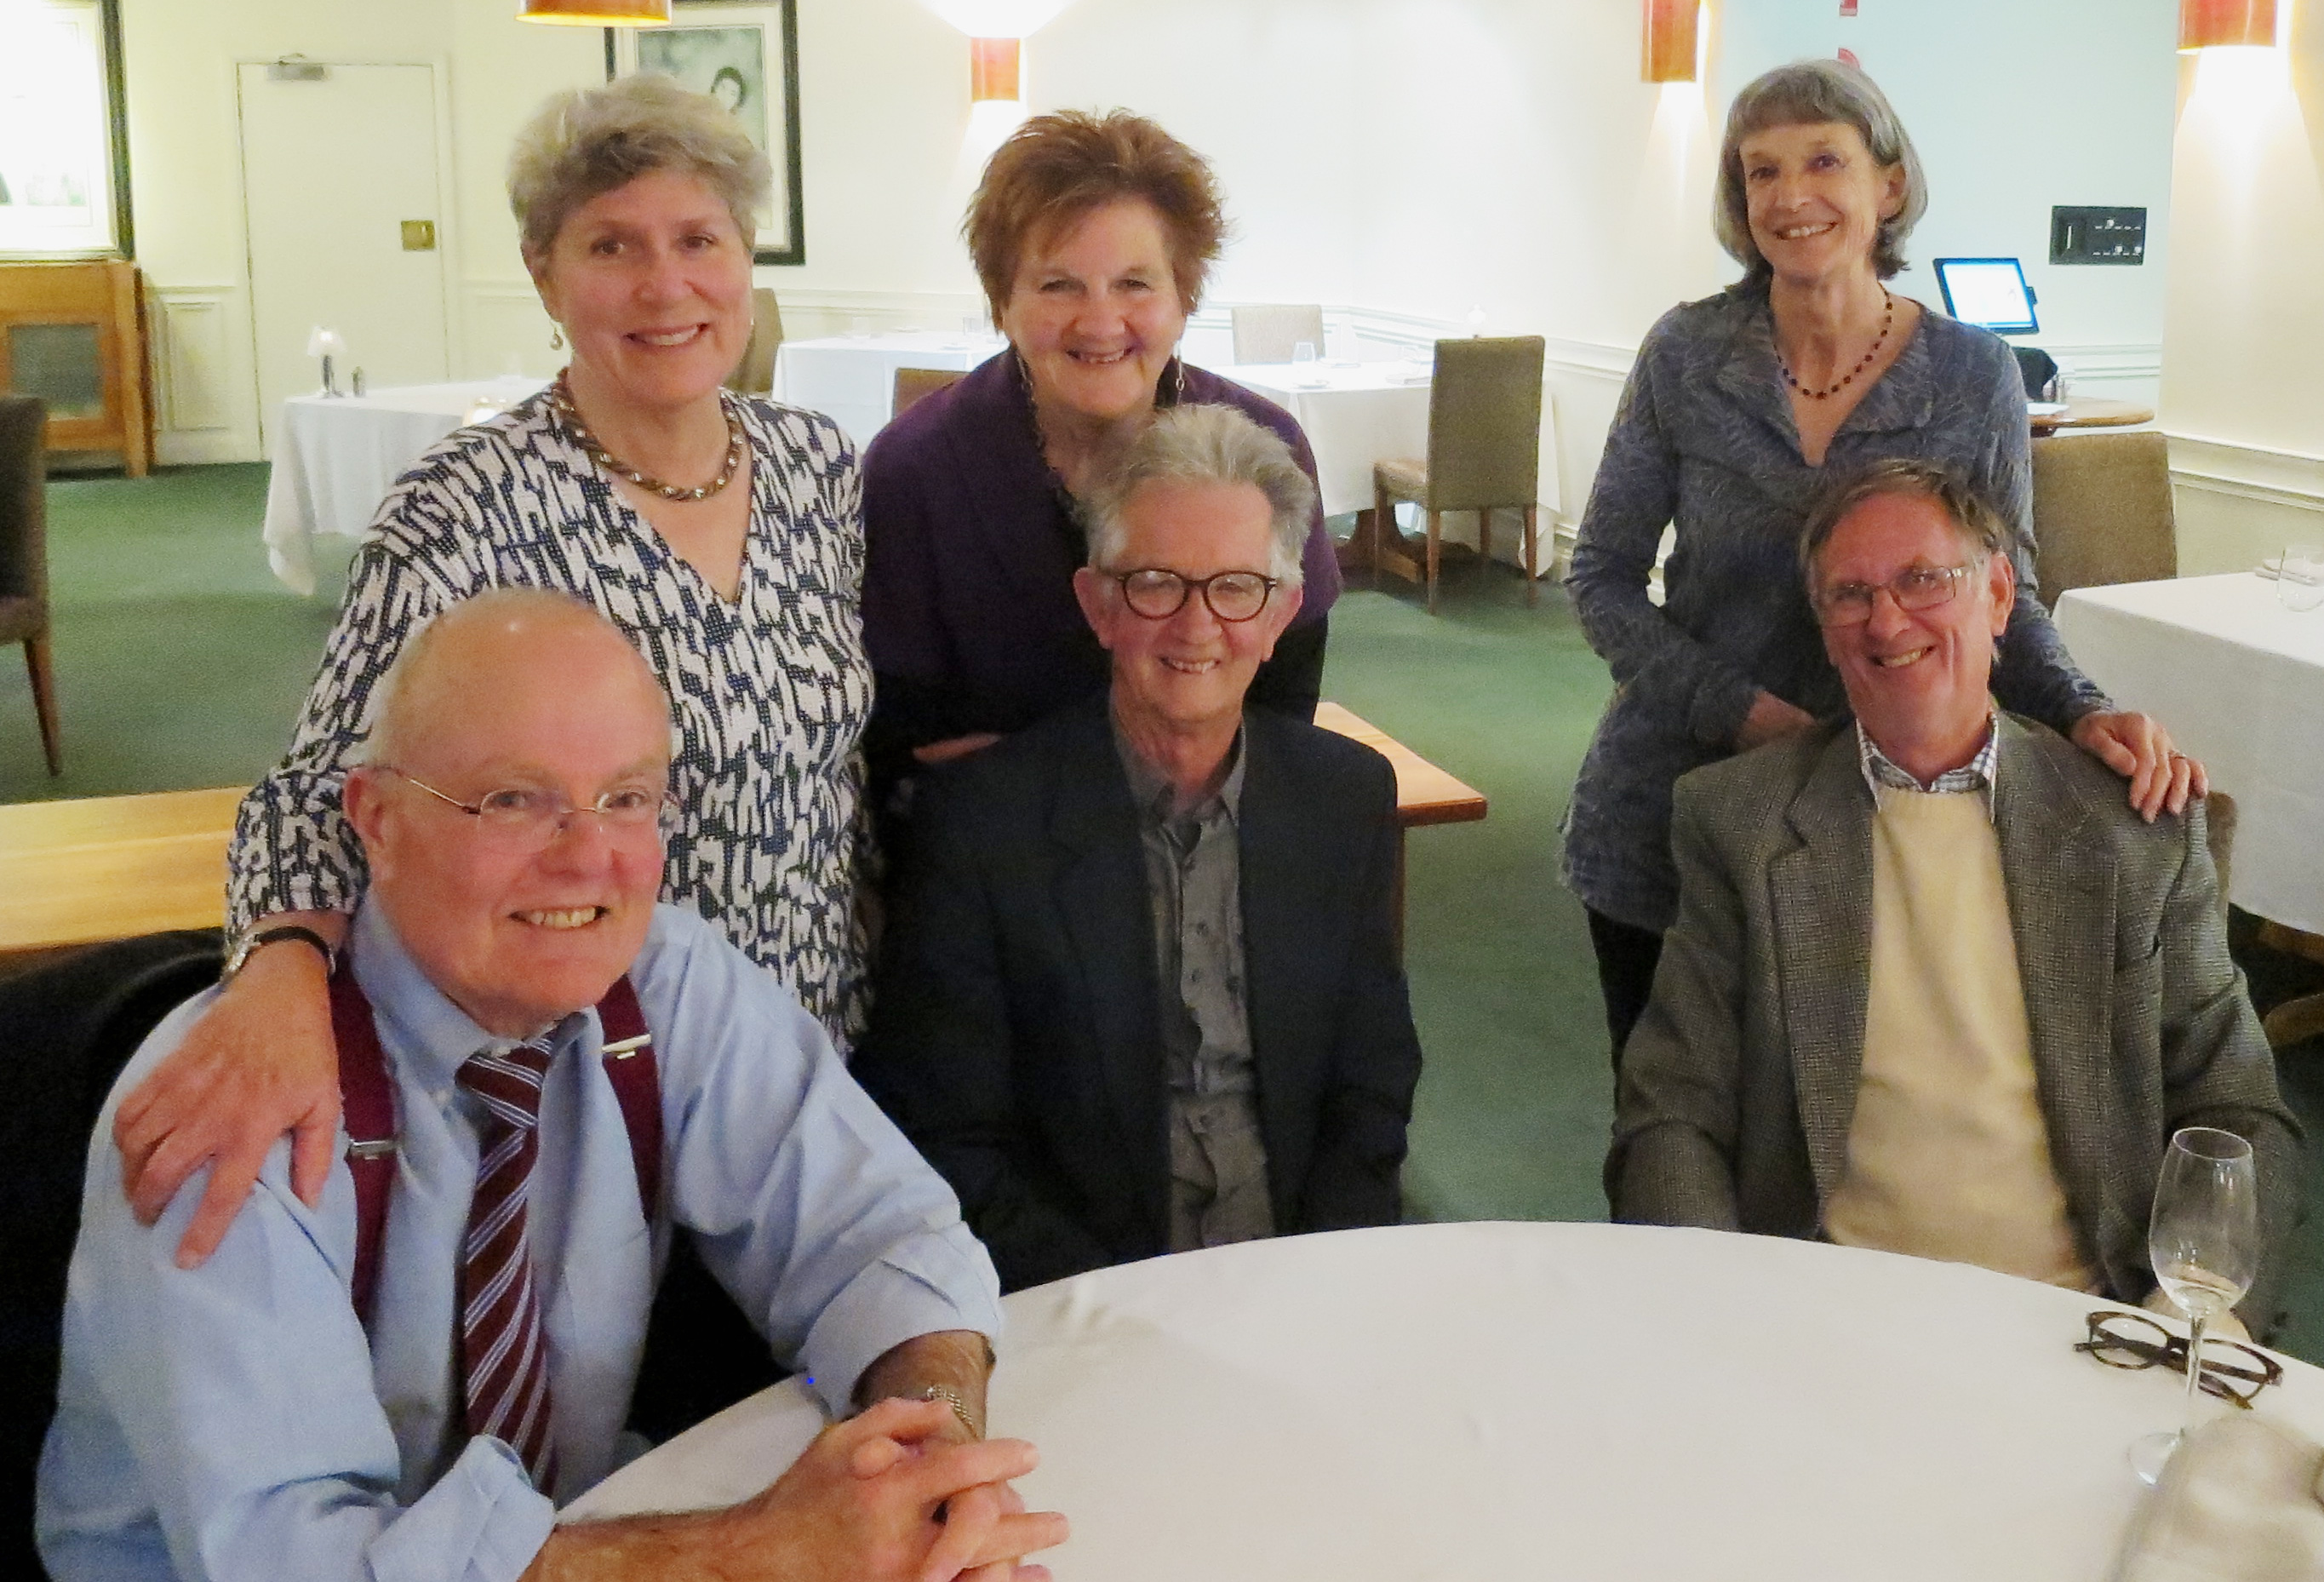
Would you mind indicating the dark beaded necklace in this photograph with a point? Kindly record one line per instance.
(1849, 378)
(561, 397)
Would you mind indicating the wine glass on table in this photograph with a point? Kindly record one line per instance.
(2203, 1240)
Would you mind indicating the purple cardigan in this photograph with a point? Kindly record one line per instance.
(969, 557)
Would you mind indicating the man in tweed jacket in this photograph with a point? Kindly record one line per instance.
(1778, 1007)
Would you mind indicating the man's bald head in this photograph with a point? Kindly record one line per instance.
(510, 805)
(499, 634)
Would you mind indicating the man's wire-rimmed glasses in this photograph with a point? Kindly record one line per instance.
(517, 814)
(1916, 587)
(1157, 595)
(2232, 1371)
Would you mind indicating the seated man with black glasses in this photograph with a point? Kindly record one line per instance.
(1934, 988)
(1142, 994)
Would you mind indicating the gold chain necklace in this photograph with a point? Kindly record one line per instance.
(1848, 378)
(561, 398)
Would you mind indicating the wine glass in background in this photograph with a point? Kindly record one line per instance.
(2203, 1240)
(2300, 577)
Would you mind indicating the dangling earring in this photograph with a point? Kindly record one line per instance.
(556, 338)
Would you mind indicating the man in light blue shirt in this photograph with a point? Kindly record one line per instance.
(236, 1420)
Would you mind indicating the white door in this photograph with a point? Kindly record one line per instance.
(340, 189)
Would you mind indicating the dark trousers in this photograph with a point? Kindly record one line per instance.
(1627, 957)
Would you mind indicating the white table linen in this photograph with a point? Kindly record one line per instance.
(1583, 1400)
(335, 458)
(1353, 413)
(852, 378)
(2238, 681)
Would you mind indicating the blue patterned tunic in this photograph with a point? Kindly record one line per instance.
(1703, 442)
(769, 692)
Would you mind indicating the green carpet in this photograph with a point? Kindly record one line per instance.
(181, 662)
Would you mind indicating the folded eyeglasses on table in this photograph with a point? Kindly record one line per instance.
(2232, 1371)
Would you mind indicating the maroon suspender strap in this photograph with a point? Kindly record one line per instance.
(637, 1086)
(368, 1100)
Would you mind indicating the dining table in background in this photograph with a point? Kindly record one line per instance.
(1450, 1401)
(852, 378)
(86, 869)
(337, 455)
(2238, 682)
(1353, 414)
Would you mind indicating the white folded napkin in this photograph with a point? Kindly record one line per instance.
(2239, 1501)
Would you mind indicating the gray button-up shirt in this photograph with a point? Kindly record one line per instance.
(1704, 442)
(1193, 884)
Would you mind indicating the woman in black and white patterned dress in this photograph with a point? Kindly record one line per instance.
(739, 580)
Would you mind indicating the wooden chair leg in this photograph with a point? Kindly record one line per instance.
(1533, 571)
(1383, 526)
(1435, 553)
(45, 698)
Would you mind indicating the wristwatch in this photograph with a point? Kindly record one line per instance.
(252, 943)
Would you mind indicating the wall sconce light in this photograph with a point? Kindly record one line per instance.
(993, 69)
(1667, 54)
(598, 13)
(2210, 25)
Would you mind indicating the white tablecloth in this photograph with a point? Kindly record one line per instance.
(852, 377)
(2238, 679)
(335, 457)
(1354, 415)
(1473, 1401)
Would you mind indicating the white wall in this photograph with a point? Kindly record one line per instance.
(1403, 162)
(2242, 389)
(185, 164)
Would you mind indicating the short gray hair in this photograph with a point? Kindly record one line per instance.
(1210, 445)
(393, 729)
(588, 141)
(1808, 93)
(1980, 527)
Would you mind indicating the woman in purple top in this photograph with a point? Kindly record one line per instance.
(1092, 237)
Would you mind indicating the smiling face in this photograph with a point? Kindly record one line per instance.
(515, 930)
(653, 284)
(1095, 312)
(1187, 672)
(1919, 680)
(1815, 198)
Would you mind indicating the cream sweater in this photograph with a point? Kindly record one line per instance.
(1947, 1154)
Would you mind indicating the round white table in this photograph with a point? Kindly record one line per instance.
(852, 378)
(1353, 415)
(1514, 1400)
(337, 455)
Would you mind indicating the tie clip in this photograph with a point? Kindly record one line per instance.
(622, 1049)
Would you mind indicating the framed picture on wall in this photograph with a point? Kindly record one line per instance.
(63, 159)
(746, 57)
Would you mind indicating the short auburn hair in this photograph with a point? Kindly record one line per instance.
(1055, 169)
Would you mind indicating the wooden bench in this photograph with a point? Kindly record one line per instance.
(95, 869)
(1424, 794)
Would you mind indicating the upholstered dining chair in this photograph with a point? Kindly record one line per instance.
(24, 555)
(1484, 453)
(1271, 333)
(2102, 511)
(755, 374)
(913, 383)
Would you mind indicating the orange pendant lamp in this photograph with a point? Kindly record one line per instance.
(598, 13)
(1667, 53)
(2209, 25)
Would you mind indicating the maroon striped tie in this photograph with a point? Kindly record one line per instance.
(504, 1356)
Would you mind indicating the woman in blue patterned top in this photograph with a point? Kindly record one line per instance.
(1738, 408)
(723, 534)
